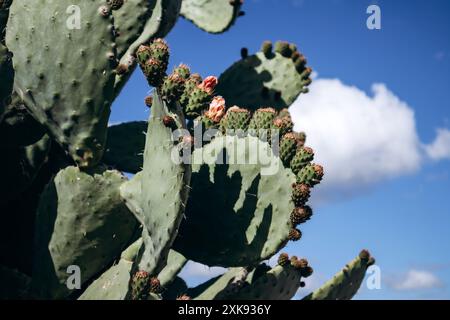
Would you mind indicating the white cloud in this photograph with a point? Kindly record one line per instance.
(359, 139)
(440, 148)
(417, 279)
(198, 270)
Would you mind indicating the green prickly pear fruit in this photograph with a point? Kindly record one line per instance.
(173, 87)
(153, 60)
(140, 285)
(266, 48)
(155, 286)
(216, 109)
(115, 4)
(294, 235)
(284, 48)
(301, 139)
(306, 272)
(283, 124)
(236, 119)
(302, 158)
(183, 70)
(300, 215)
(283, 259)
(288, 147)
(262, 122)
(191, 83)
(200, 98)
(310, 175)
(300, 194)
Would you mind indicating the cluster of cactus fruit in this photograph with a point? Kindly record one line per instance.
(71, 204)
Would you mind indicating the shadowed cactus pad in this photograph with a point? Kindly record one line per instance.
(125, 146)
(250, 221)
(345, 283)
(265, 79)
(81, 221)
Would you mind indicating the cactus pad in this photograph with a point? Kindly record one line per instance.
(237, 214)
(345, 283)
(81, 221)
(69, 85)
(213, 16)
(160, 206)
(264, 79)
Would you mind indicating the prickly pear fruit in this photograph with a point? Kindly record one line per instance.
(236, 119)
(310, 175)
(300, 194)
(303, 157)
(300, 215)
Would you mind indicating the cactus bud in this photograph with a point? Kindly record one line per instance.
(300, 194)
(364, 255)
(244, 53)
(169, 122)
(283, 259)
(184, 297)
(302, 158)
(266, 48)
(283, 48)
(236, 119)
(140, 285)
(173, 87)
(300, 215)
(148, 101)
(155, 286)
(294, 235)
(183, 70)
(115, 4)
(310, 175)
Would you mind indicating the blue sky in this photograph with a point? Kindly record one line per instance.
(399, 208)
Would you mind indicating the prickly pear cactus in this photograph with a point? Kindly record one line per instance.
(217, 174)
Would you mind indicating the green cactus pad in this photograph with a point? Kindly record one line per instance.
(345, 283)
(113, 284)
(219, 287)
(263, 80)
(125, 146)
(213, 16)
(159, 206)
(129, 22)
(237, 214)
(175, 262)
(23, 164)
(280, 283)
(6, 76)
(81, 221)
(65, 77)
